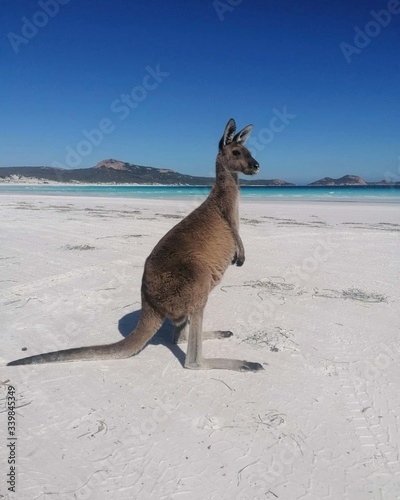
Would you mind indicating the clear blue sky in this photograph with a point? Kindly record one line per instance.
(265, 58)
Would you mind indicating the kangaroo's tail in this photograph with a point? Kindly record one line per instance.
(149, 322)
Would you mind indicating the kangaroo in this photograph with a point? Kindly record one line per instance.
(183, 268)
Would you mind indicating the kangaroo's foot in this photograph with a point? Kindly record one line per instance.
(217, 334)
(224, 364)
(194, 357)
(181, 333)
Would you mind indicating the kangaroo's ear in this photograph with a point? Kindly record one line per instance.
(242, 136)
(229, 133)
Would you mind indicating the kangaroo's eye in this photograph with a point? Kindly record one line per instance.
(236, 152)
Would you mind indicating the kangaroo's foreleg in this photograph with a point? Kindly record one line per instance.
(196, 361)
(181, 333)
(239, 256)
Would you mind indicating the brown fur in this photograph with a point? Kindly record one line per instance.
(185, 265)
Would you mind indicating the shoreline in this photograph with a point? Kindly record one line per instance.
(36, 183)
(266, 194)
(243, 199)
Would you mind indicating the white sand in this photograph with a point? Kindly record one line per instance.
(317, 301)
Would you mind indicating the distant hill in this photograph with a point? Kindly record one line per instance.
(346, 180)
(117, 172)
(351, 180)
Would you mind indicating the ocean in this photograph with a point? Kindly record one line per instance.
(377, 194)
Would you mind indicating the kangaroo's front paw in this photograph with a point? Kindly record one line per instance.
(240, 260)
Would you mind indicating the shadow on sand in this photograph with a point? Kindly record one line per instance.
(163, 336)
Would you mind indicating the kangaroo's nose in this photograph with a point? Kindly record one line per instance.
(256, 165)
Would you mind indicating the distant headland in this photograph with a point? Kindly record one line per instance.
(112, 171)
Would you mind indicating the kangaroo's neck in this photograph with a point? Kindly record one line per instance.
(226, 181)
(224, 177)
(225, 193)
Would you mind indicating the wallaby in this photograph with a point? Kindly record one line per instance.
(183, 268)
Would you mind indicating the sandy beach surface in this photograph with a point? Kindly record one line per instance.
(317, 302)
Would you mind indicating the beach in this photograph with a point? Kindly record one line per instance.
(317, 303)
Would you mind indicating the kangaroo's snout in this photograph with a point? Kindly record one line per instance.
(252, 168)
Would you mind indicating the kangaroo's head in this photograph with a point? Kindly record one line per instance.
(232, 152)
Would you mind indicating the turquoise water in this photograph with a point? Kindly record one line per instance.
(381, 194)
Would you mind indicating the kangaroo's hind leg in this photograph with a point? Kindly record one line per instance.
(194, 357)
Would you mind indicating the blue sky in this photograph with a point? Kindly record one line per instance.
(184, 68)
